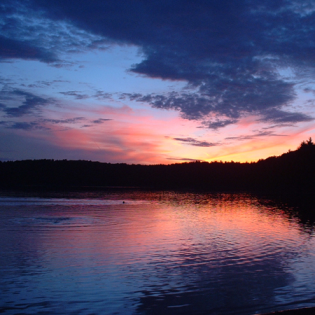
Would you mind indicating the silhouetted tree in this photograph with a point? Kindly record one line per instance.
(307, 143)
(294, 171)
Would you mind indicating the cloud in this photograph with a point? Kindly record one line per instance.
(17, 49)
(219, 123)
(196, 143)
(100, 120)
(228, 52)
(64, 121)
(43, 84)
(279, 116)
(17, 103)
(309, 90)
(102, 95)
(44, 123)
(25, 33)
(183, 159)
(257, 135)
(230, 97)
(77, 95)
(26, 126)
(23, 125)
(95, 122)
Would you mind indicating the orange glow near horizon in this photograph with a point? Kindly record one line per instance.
(146, 136)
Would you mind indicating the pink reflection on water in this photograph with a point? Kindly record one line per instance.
(123, 234)
(199, 252)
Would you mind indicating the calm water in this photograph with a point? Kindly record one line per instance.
(152, 253)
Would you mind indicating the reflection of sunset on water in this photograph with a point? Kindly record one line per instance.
(220, 228)
(229, 225)
(161, 250)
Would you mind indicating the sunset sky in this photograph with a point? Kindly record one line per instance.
(168, 81)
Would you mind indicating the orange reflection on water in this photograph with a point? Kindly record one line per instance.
(214, 230)
(169, 249)
(148, 229)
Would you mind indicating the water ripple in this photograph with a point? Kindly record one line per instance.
(179, 254)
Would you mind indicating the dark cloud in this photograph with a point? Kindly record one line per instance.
(41, 84)
(96, 122)
(42, 123)
(279, 116)
(309, 90)
(64, 121)
(18, 103)
(196, 143)
(77, 95)
(63, 64)
(74, 121)
(5, 80)
(100, 120)
(102, 95)
(17, 49)
(192, 106)
(256, 135)
(199, 106)
(219, 123)
(136, 97)
(183, 159)
(277, 126)
(26, 126)
(228, 51)
(23, 125)
(25, 33)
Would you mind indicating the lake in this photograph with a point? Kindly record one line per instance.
(134, 252)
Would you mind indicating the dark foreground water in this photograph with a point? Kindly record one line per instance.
(152, 253)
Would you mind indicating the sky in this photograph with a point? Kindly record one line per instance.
(150, 82)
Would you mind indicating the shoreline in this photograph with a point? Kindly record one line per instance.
(301, 311)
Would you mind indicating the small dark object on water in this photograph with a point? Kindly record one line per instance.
(123, 202)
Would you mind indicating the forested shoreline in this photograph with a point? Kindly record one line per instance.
(292, 171)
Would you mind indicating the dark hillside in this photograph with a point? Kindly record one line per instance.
(291, 171)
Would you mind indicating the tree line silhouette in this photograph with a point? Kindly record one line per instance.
(292, 171)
